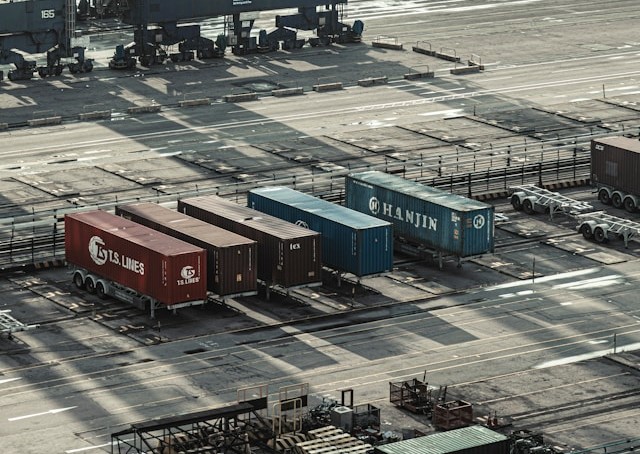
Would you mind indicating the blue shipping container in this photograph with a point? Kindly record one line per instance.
(351, 241)
(446, 222)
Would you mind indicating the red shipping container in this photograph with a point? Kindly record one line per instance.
(167, 269)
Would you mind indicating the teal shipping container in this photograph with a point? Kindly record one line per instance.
(420, 214)
(351, 241)
(467, 440)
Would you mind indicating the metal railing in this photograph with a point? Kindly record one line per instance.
(39, 237)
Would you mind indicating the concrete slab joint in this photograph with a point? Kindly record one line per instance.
(424, 51)
(387, 42)
(369, 81)
(419, 75)
(194, 102)
(387, 45)
(328, 86)
(465, 70)
(447, 57)
(144, 109)
(287, 91)
(45, 121)
(95, 115)
(241, 97)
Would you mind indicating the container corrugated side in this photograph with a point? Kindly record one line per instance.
(231, 258)
(467, 440)
(288, 255)
(353, 242)
(421, 214)
(149, 262)
(615, 162)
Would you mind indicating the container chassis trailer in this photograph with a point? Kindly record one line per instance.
(114, 257)
(532, 199)
(600, 226)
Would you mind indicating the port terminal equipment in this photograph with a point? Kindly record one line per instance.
(159, 26)
(10, 325)
(38, 26)
(599, 226)
(533, 199)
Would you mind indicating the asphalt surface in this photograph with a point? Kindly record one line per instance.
(521, 333)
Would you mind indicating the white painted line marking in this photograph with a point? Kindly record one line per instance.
(90, 448)
(585, 356)
(554, 277)
(448, 112)
(50, 412)
(590, 283)
(497, 78)
(7, 380)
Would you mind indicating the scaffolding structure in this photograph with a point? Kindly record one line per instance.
(212, 431)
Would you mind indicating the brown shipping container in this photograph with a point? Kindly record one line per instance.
(231, 258)
(149, 262)
(615, 162)
(288, 255)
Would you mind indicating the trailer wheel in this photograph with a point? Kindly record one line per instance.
(600, 235)
(616, 200)
(516, 203)
(527, 206)
(630, 205)
(586, 231)
(100, 291)
(78, 281)
(604, 197)
(90, 285)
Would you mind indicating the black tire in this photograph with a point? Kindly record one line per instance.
(527, 206)
(78, 281)
(616, 200)
(100, 291)
(630, 205)
(604, 197)
(90, 285)
(586, 231)
(516, 203)
(599, 235)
